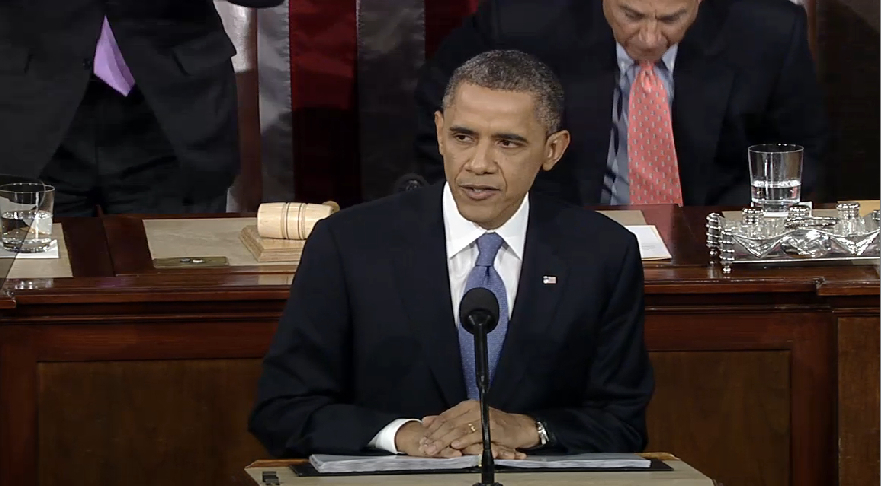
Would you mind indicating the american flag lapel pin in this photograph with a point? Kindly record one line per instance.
(549, 280)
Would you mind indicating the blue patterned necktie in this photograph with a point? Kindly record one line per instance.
(485, 275)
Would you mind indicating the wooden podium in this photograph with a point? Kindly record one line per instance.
(765, 376)
(681, 475)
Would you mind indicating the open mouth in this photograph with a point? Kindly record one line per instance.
(478, 192)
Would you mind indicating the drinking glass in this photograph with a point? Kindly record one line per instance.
(775, 176)
(26, 216)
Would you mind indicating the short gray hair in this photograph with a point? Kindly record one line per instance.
(512, 70)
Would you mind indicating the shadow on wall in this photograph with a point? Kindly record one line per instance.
(848, 40)
(325, 156)
(277, 169)
(247, 191)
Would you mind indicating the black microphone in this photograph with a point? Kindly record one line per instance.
(479, 313)
(408, 182)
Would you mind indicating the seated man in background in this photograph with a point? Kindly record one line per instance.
(722, 74)
(368, 353)
(127, 106)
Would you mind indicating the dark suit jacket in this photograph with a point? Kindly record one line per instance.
(177, 51)
(368, 336)
(743, 75)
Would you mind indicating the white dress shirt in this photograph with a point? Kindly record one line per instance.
(461, 237)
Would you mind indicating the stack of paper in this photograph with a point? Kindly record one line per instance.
(578, 461)
(651, 246)
(325, 463)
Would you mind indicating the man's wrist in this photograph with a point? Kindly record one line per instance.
(531, 437)
(402, 436)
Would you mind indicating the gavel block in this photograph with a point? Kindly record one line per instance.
(282, 229)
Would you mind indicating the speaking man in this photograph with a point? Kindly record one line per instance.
(369, 354)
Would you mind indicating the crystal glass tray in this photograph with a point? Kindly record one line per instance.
(799, 236)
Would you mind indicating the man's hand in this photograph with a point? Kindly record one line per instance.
(407, 440)
(499, 451)
(459, 428)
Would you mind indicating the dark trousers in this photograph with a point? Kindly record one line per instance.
(116, 158)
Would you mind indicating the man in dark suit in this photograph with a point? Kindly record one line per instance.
(734, 72)
(129, 105)
(368, 354)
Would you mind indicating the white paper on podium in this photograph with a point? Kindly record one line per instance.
(326, 463)
(651, 245)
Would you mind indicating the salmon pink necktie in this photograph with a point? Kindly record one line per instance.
(653, 169)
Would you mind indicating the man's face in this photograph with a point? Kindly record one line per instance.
(647, 28)
(493, 146)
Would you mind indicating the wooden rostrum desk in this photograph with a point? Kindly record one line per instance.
(125, 374)
(680, 474)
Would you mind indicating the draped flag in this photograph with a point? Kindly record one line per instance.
(354, 65)
(336, 92)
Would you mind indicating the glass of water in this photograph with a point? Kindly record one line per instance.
(26, 216)
(775, 175)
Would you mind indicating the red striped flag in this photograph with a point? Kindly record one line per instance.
(351, 68)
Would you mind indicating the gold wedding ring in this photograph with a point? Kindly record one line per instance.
(472, 427)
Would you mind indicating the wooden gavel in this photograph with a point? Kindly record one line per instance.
(291, 220)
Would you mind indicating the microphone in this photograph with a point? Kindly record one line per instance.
(408, 182)
(479, 313)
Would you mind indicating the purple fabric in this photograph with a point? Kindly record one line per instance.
(109, 64)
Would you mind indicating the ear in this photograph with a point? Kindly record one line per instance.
(555, 147)
(439, 129)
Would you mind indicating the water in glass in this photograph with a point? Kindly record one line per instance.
(775, 196)
(26, 231)
(775, 176)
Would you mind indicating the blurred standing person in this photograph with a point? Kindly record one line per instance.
(240, 24)
(124, 105)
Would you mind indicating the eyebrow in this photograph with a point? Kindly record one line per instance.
(631, 11)
(674, 15)
(499, 136)
(462, 130)
(510, 136)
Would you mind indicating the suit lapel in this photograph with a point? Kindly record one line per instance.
(702, 86)
(534, 306)
(421, 271)
(589, 101)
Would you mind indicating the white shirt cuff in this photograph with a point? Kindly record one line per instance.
(385, 438)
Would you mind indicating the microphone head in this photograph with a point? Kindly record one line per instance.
(408, 182)
(479, 305)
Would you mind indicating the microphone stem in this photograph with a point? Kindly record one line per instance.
(487, 465)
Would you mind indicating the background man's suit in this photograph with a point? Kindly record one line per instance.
(177, 52)
(744, 75)
(368, 334)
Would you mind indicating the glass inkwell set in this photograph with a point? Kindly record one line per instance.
(778, 229)
(798, 237)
